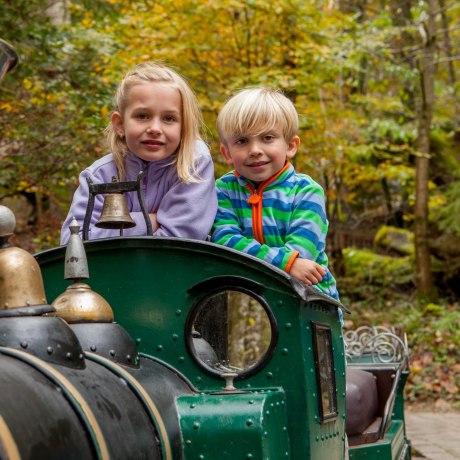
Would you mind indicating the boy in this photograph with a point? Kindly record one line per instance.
(266, 209)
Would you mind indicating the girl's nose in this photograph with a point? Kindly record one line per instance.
(154, 127)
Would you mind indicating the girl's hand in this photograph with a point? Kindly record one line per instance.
(307, 271)
(153, 219)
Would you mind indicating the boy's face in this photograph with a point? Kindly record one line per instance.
(259, 157)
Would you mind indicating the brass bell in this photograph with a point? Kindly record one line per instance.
(115, 214)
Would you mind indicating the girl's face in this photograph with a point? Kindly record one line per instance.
(152, 120)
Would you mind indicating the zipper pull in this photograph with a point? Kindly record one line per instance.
(254, 199)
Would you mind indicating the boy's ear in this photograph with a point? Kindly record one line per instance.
(117, 123)
(226, 153)
(293, 145)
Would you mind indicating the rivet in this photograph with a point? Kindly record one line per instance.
(28, 302)
(198, 379)
(314, 395)
(344, 394)
(269, 375)
(249, 456)
(316, 417)
(68, 355)
(181, 359)
(284, 428)
(49, 350)
(160, 347)
(322, 437)
(178, 312)
(251, 401)
(196, 425)
(285, 351)
(267, 413)
(128, 358)
(24, 344)
(201, 457)
(280, 303)
(174, 337)
(80, 356)
(249, 422)
(93, 348)
(188, 442)
(138, 341)
(317, 438)
(112, 352)
(192, 406)
(288, 325)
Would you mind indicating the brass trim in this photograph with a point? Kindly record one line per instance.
(73, 396)
(8, 442)
(144, 397)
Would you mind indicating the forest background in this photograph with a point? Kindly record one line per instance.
(376, 85)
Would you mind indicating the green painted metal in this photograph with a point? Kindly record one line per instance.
(234, 426)
(394, 446)
(149, 281)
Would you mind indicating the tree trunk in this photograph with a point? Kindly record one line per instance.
(423, 276)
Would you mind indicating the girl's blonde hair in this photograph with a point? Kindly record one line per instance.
(253, 111)
(191, 117)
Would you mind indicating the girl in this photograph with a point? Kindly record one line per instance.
(155, 129)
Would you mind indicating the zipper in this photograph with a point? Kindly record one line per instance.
(255, 199)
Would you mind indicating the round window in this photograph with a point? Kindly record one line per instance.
(231, 331)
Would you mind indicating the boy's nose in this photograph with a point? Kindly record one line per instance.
(255, 149)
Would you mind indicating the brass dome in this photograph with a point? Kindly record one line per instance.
(79, 303)
(21, 282)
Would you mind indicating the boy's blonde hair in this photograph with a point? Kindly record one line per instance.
(253, 111)
(191, 118)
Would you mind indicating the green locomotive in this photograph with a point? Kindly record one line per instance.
(176, 300)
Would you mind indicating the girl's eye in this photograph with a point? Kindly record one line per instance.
(170, 119)
(142, 116)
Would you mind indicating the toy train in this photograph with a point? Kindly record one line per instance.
(181, 349)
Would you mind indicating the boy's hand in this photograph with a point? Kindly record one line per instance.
(307, 271)
(153, 219)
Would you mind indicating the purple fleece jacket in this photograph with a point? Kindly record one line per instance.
(183, 210)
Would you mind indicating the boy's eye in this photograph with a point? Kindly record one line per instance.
(241, 141)
(269, 137)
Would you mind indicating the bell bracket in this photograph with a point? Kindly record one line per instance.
(115, 187)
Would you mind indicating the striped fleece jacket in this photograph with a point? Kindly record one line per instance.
(283, 219)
